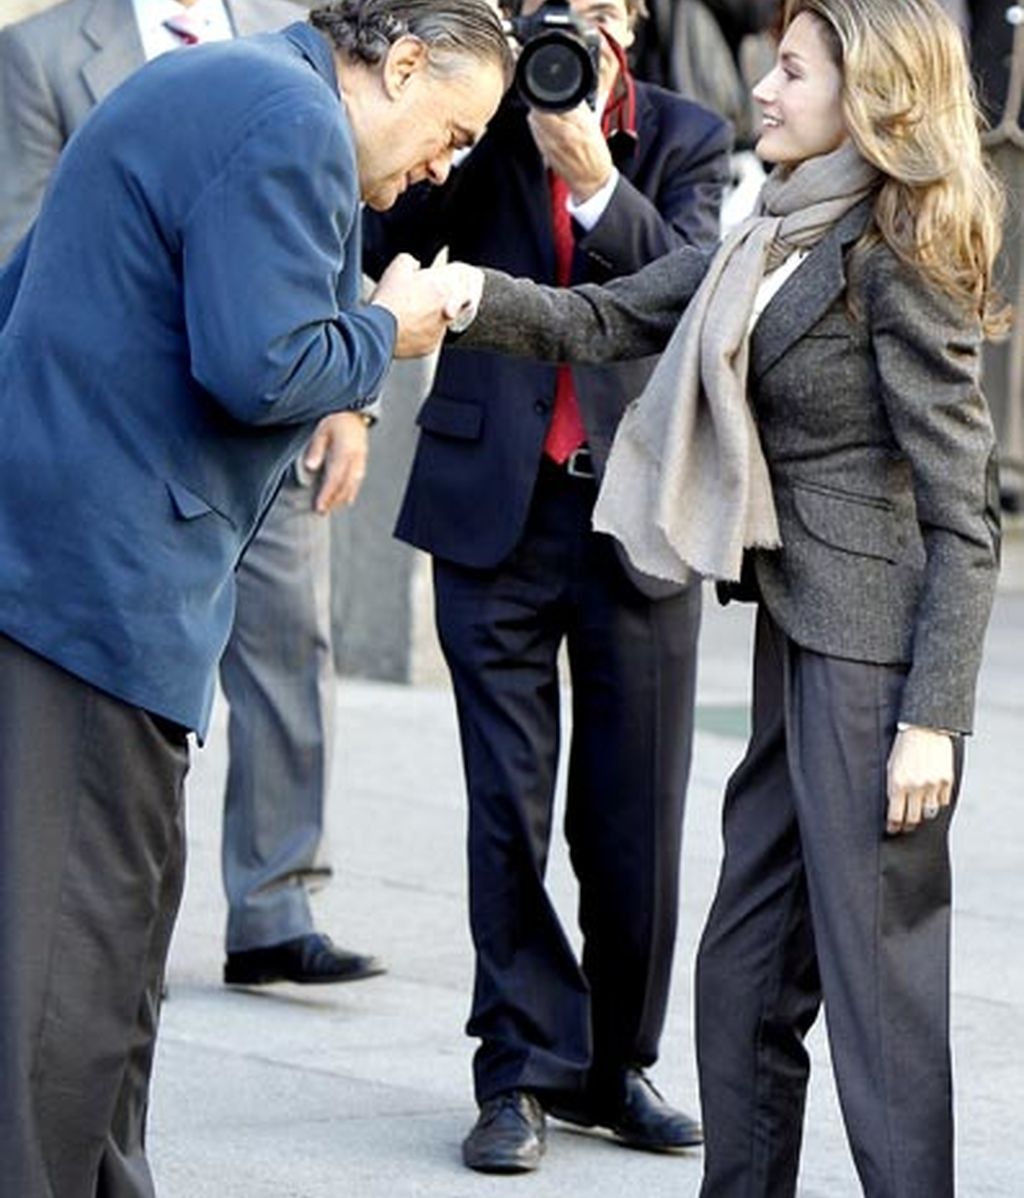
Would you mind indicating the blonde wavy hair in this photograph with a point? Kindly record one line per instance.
(909, 106)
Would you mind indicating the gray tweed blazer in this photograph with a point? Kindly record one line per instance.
(864, 385)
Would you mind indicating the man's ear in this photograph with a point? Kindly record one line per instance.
(405, 58)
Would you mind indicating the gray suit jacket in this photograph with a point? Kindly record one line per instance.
(876, 433)
(55, 67)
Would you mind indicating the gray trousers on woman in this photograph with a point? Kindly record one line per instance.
(92, 857)
(816, 903)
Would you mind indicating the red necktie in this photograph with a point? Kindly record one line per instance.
(185, 28)
(566, 431)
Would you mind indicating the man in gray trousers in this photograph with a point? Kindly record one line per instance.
(277, 671)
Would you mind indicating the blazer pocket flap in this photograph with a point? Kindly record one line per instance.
(189, 505)
(855, 523)
(452, 418)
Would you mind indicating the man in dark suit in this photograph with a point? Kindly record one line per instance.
(500, 493)
(278, 669)
(182, 314)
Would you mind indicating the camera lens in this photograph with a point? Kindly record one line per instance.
(555, 73)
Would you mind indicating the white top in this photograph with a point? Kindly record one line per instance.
(208, 18)
(771, 283)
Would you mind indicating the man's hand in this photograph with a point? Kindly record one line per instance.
(573, 145)
(419, 300)
(920, 777)
(337, 451)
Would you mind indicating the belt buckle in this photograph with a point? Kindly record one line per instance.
(580, 463)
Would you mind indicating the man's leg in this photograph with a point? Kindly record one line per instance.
(633, 664)
(500, 638)
(91, 867)
(278, 676)
(124, 1170)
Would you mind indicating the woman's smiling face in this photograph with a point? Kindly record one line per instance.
(800, 97)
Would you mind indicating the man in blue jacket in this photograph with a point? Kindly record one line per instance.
(501, 493)
(183, 312)
(277, 672)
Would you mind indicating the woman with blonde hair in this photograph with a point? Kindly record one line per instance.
(815, 436)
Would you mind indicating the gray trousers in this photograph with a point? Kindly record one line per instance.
(815, 903)
(277, 674)
(92, 856)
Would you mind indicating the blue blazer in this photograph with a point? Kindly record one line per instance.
(183, 312)
(483, 426)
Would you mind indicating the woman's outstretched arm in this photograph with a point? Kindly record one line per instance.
(629, 317)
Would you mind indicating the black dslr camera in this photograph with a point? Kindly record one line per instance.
(558, 64)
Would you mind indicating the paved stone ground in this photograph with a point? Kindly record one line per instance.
(364, 1090)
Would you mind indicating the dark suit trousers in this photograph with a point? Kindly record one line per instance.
(816, 903)
(547, 1021)
(91, 867)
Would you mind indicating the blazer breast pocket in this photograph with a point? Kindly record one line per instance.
(859, 524)
(460, 419)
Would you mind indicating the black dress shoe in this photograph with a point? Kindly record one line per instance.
(508, 1136)
(309, 960)
(642, 1120)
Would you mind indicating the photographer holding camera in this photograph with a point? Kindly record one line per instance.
(501, 491)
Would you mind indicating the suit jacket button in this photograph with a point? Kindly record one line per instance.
(542, 407)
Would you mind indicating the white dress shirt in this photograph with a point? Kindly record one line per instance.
(209, 18)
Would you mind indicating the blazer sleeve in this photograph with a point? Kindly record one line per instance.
(629, 317)
(927, 353)
(31, 136)
(684, 206)
(264, 248)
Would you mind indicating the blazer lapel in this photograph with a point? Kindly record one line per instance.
(110, 27)
(807, 294)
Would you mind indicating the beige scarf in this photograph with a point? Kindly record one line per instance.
(686, 487)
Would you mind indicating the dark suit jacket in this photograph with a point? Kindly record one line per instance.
(484, 423)
(182, 314)
(875, 431)
(55, 67)
(991, 54)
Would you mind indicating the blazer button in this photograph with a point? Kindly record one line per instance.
(542, 407)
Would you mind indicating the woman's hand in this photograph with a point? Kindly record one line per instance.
(919, 777)
(463, 286)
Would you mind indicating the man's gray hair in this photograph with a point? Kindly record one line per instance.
(452, 30)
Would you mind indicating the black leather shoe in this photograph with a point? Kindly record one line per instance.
(310, 960)
(643, 1120)
(508, 1136)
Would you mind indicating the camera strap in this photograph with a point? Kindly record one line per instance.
(618, 121)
